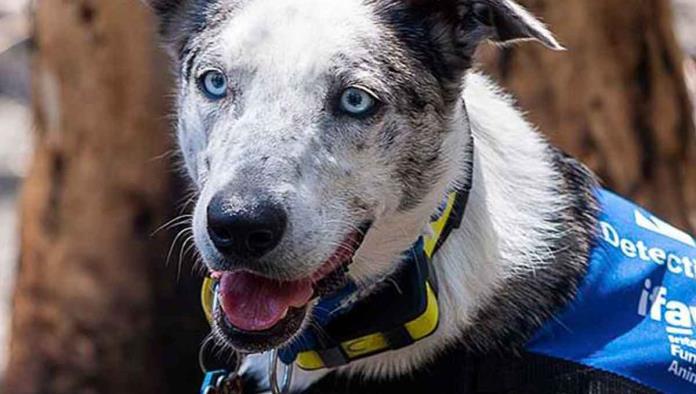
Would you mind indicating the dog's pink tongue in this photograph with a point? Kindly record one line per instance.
(254, 303)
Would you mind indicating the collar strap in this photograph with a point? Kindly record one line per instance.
(449, 220)
(402, 311)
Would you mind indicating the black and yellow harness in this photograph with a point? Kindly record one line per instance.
(401, 311)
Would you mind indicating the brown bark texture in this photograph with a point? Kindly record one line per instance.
(95, 310)
(616, 99)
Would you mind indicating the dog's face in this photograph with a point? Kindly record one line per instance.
(306, 124)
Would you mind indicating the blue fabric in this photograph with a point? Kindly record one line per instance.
(210, 380)
(327, 309)
(635, 312)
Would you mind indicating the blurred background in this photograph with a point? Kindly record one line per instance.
(88, 303)
(15, 144)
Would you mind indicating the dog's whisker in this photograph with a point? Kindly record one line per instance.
(188, 200)
(182, 252)
(177, 221)
(174, 242)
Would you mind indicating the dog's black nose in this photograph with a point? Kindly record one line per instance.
(245, 232)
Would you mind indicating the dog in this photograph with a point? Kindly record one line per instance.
(323, 138)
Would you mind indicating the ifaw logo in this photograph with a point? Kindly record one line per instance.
(679, 317)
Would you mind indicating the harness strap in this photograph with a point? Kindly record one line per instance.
(450, 220)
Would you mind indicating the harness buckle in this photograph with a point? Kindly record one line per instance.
(222, 382)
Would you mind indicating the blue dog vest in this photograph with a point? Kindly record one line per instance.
(635, 312)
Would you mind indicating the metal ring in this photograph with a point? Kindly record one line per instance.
(288, 371)
(201, 354)
(201, 358)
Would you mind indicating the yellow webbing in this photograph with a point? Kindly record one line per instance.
(419, 328)
(438, 226)
(207, 296)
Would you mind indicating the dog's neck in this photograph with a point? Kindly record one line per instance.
(522, 246)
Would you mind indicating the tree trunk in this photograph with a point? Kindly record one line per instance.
(616, 99)
(95, 311)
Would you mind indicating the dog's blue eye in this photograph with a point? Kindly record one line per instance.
(357, 102)
(214, 84)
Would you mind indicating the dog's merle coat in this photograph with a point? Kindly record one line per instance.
(529, 227)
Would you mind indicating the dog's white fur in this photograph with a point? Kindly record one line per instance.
(513, 192)
(274, 58)
(280, 67)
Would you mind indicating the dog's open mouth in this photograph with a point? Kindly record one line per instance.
(256, 313)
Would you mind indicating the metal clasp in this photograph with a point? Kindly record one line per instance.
(221, 382)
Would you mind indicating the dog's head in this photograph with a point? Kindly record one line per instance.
(305, 124)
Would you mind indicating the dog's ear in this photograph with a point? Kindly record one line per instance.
(172, 27)
(163, 8)
(501, 21)
(510, 22)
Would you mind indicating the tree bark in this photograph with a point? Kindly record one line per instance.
(616, 99)
(95, 311)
